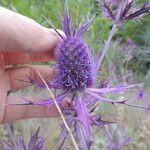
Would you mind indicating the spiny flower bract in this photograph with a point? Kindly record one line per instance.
(36, 143)
(123, 10)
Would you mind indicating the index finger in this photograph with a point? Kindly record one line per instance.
(20, 33)
(12, 58)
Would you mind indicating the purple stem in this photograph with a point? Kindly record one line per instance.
(106, 46)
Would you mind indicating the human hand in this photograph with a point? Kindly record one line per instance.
(22, 40)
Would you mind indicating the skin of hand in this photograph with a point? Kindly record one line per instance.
(22, 40)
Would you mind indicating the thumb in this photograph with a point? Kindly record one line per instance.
(20, 33)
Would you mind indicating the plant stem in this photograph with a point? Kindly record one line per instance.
(107, 44)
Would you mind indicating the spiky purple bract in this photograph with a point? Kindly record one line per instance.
(123, 10)
(36, 143)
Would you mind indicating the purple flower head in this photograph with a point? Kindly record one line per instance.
(131, 43)
(122, 10)
(141, 94)
(129, 46)
(74, 60)
(74, 63)
(36, 143)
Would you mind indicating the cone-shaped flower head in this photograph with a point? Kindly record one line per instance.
(74, 63)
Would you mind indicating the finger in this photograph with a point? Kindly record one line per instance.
(22, 73)
(1, 60)
(3, 93)
(21, 33)
(13, 112)
(11, 58)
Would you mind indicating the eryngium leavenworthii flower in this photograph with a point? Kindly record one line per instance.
(76, 72)
(74, 63)
(123, 10)
(36, 143)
